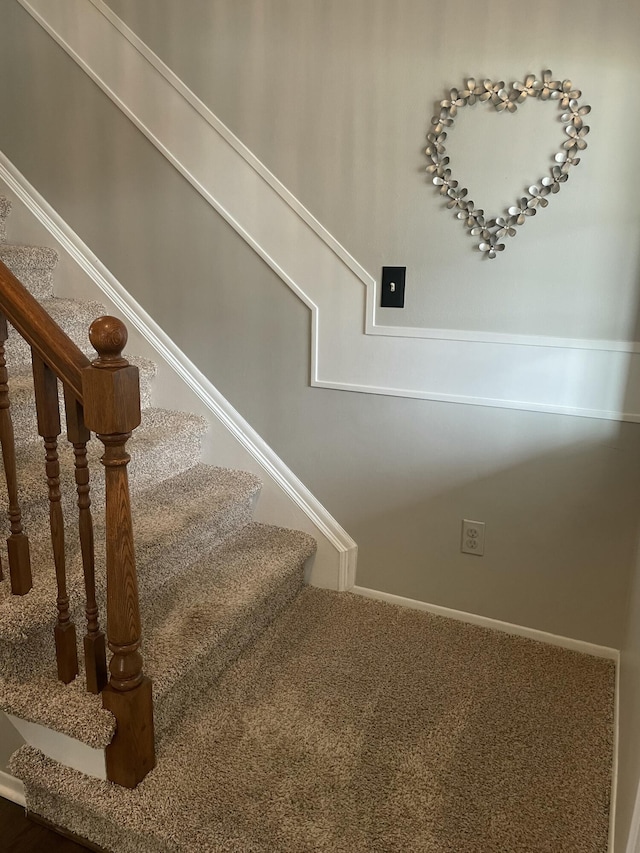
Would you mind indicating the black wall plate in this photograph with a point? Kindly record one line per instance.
(393, 279)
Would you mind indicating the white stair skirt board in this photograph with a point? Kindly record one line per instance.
(541, 637)
(12, 789)
(230, 441)
(62, 748)
(586, 378)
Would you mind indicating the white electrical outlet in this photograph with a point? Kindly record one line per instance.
(472, 537)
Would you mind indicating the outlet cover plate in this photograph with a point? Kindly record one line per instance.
(472, 540)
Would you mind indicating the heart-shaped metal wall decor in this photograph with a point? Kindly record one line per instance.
(490, 231)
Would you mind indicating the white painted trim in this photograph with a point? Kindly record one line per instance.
(12, 789)
(519, 405)
(62, 748)
(495, 624)
(584, 378)
(323, 522)
(633, 842)
(501, 337)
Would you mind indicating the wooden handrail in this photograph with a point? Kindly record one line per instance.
(41, 331)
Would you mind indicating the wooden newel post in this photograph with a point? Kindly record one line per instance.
(111, 392)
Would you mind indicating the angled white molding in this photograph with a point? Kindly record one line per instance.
(350, 352)
(334, 565)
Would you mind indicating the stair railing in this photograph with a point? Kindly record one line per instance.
(100, 396)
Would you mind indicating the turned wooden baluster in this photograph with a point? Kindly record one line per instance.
(94, 640)
(17, 543)
(111, 393)
(48, 411)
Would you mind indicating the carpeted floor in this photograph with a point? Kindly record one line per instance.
(352, 725)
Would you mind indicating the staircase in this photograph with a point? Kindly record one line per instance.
(209, 578)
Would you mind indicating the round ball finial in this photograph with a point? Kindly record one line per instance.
(108, 337)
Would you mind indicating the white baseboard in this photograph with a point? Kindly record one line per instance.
(335, 562)
(12, 789)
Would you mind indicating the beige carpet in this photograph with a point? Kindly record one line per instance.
(352, 725)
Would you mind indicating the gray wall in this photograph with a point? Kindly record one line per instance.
(558, 494)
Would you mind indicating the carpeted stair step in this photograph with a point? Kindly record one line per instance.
(23, 407)
(171, 534)
(194, 625)
(33, 265)
(72, 316)
(200, 621)
(175, 522)
(5, 210)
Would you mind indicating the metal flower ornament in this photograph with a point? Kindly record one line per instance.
(492, 230)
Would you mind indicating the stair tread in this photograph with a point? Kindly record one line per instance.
(66, 708)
